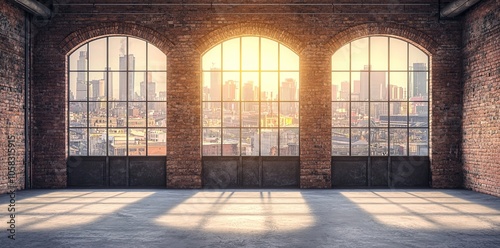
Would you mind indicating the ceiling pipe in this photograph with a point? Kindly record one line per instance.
(456, 8)
(34, 7)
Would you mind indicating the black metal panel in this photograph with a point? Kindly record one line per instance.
(349, 171)
(118, 171)
(280, 172)
(251, 172)
(86, 171)
(379, 171)
(147, 171)
(220, 172)
(410, 171)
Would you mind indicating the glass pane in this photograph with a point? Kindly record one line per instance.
(359, 86)
(378, 112)
(398, 54)
(289, 86)
(212, 114)
(230, 88)
(117, 142)
(398, 86)
(418, 86)
(114, 86)
(212, 86)
(359, 54)
(231, 114)
(399, 139)
(250, 53)
(340, 141)
(137, 114)
(157, 114)
(78, 59)
(289, 61)
(419, 142)
(269, 54)
(399, 116)
(269, 142)
(78, 86)
(78, 141)
(289, 142)
(97, 86)
(231, 142)
(289, 116)
(137, 54)
(231, 54)
(97, 114)
(418, 60)
(230, 91)
(378, 85)
(250, 114)
(157, 142)
(212, 142)
(379, 142)
(269, 86)
(212, 59)
(340, 114)
(419, 114)
(379, 53)
(250, 142)
(97, 54)
(359, 142)
(78, 114)
(157, 87)
(359, 114)
(340, 86)
(157, 60)
(269, 114)
(97, 142)
(135, 79)
(117, 53)
(117, 114)
(136, 142)
(341, 59)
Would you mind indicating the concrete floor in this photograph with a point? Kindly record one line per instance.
(252, 218)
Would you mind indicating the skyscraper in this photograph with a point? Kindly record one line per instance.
(124, 78)
(419, 82)
(81, 82)
(215, 83)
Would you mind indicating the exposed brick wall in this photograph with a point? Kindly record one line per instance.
(481, 115)
(191, 30)
(12, 64)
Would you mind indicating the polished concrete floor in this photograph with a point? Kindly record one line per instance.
(251, 218)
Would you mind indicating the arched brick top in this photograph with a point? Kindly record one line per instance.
(252, 29)
(78, 37)
(415, 37)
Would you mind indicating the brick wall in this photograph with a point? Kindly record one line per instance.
(310, 30)
(12, 66)
(481, 115)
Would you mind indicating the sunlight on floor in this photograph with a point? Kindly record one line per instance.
(60, 210)
(425, 210)
(241, 212)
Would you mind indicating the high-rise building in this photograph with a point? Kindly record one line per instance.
(419, 83)
(247, 91)
(375, 81)
(344, 90)
(229, 90)
(215, 83)
(151, 88)
(81, 82)
(288, 90)
(124, 77)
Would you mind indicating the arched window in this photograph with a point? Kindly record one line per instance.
(250, 99)
(117, 98)
(380, 99)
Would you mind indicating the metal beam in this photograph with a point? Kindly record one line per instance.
(34, 7)
(456, 8)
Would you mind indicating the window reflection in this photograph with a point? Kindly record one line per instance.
(380, 98)
(250, 99)
(117, 94)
